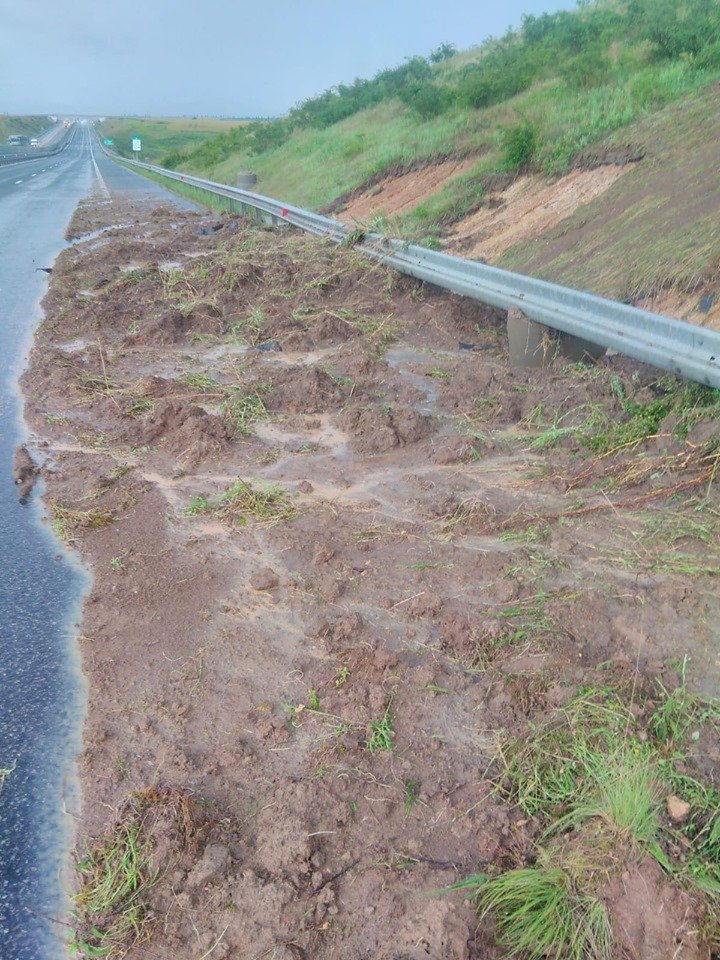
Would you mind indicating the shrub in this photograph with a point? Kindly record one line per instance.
(520, 143)
(426, 99)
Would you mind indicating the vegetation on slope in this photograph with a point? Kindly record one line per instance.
(161, 135)
(25, 126)
(531, 100)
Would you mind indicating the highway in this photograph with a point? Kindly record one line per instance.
(41, 585)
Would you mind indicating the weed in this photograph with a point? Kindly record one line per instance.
(138, 407)
(535, 533)
(116, 563)
(243, 502)
(5, 772)
(412, 794)
(431, 565)
(249, 329)
(439, 374)
(681, 710)
(65, 519)
(382, 732)
(202, 382)
(313, 700)
(244, 409)
(343, 677)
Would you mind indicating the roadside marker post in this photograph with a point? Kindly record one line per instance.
(136, 145)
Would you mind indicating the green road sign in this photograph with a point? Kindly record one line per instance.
(108, 143)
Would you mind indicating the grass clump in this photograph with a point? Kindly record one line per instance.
(243, 502)
(382, 732)
(245, 408)
(112, 912)
(66, 519)
(543, 912)
(111, 908)
(596, 782)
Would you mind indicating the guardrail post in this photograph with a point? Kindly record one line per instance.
(533, 344)
(577, 349)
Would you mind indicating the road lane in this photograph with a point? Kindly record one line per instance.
(41, 586)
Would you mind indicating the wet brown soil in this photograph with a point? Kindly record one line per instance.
(419, 559)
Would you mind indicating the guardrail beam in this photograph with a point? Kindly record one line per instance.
(585, 325)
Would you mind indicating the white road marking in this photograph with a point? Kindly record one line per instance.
(33, 174)
(103, 186)
(18, 181)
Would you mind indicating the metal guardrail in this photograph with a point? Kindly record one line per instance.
(674, 345)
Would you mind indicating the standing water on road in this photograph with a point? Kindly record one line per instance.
(41, 684)
(41, 688)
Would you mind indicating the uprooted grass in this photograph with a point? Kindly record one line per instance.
(595, 780)
(244, 502)
(634, 421)
(112, 913)
(66, 519)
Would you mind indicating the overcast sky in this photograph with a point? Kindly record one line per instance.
(216, 57)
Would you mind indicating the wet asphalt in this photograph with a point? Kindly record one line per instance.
(42, 691)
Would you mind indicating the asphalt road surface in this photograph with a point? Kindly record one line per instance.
(41, 586)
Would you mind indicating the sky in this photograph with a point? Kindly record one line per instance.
(218, 57)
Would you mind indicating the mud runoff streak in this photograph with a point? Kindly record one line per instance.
(41, 687)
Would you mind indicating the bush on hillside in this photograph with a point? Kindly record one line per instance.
(426, 99)
(520, 144)
(444, 52)
(606, 45)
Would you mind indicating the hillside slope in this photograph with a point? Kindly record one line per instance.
(580, 122)
(27, 126)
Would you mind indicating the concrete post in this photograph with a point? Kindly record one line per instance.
(533, 344)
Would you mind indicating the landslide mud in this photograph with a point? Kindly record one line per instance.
(422, 563)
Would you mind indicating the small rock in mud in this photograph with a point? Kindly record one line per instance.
(265, 579)
(26, 471)
(678, 810)
(212, 865)
(268, 346)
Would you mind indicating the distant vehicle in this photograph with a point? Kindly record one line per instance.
(33, 141)
(18, 140)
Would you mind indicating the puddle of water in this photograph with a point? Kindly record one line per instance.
(326, 435)
(95, 234)
(76, 346)
(397, 357)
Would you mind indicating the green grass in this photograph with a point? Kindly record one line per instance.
(246, 408)
(542, 912)
(656, 226)
(382, 733)
(161, 136)
(111, 908)
(596, 782)
(28, 126)
(244, 502)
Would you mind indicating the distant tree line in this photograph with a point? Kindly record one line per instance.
(583, 48)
